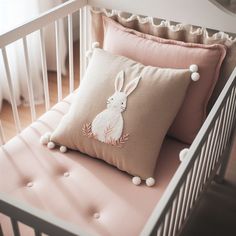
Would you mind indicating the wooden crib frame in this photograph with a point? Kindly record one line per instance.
(207, 155)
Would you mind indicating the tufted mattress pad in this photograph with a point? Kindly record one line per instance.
(81, 190)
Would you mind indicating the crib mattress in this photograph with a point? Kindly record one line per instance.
(81, 190)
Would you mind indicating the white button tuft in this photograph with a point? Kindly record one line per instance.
(66, 174)
(96, 215)
(30, 184)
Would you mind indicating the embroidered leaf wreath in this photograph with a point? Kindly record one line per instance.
(107, 126)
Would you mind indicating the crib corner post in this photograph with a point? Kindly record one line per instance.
(85, 39)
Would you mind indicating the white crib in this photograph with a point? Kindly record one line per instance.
(208, 154)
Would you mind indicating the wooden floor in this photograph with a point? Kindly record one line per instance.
(6, 116)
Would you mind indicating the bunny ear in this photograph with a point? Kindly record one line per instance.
(119, 81)
(131, 86)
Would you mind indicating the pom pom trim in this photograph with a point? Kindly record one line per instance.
(136, 180)
(195, 76)
(63, 149)
(51, 145)
(150, 182)
(193, 68)
(44, 139)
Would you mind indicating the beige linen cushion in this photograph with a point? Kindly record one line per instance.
(128, 135)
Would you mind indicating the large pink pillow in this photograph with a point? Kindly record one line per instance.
(155, 51)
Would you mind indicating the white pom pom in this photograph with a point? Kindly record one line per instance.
(48, 135)
(89, 53)
(182, 154)
(51, 145)
(193, 68)
(136, 180)
(44, 140)
(95, 45)
(63, 149)
(195, 76)
(150, 182)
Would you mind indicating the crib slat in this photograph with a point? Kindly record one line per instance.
(29, 81)
(206, 162)
(221, 140)
(191, 189)
(216, 154)
(198, 175)
(2, 136)
(83, 40)
(85, 34)
(58, 57)
(210, 150)
(37, 232)
(12, 93)
(229, 124)
(230, 115)
(179, 207)
(189, 192)
(208, 159)
(217, 151)
(173, 215)
(166, 223)
(71, 61)
(15, 227)
(1, 233)
(160, 230)
(200, 179)
(89, 26)
(82, 52)
(223, 127)
(44, 70)
(186, 190)
(225, 161)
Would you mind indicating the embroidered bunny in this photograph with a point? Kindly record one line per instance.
(107, 126)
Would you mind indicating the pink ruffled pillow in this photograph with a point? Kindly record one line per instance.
(155, 51)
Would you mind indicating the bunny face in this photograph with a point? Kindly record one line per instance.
(117, 101)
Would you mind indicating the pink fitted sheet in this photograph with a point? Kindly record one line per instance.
(81, 190)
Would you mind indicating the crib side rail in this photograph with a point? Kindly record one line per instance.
(39, 22)
(199, 167)
(38, 220)
(38, 25)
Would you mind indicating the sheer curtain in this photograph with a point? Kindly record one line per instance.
(13, 13)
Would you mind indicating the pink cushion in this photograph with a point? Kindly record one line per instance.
(155, 51)
(74, 187)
